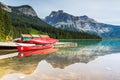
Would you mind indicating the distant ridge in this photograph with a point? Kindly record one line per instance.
(24, 9)
(66, 21)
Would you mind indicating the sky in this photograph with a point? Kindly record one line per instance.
(104, 11)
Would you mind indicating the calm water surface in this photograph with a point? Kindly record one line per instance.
(90, 60)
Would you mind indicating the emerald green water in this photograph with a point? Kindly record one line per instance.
(90, 60)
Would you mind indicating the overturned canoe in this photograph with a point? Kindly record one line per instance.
(36, 47)
(42, 40)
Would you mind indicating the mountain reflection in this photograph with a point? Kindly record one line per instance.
(85, 55)
(24, 65)
(86, 51)
(103, 68)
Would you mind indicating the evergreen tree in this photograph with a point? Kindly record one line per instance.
(5, 25)
(2, 25)
(8, 27)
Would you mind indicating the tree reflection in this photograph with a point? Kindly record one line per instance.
(24, 65)
(87, 51)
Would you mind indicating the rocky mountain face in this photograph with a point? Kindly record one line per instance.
(63, 20)
(24, 9)
(5, 7)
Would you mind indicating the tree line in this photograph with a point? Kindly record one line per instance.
(15, 24)
(5, 25)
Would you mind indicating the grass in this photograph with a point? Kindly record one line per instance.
(33, 31)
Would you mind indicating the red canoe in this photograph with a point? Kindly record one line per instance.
(36, 47)
(42, 52)
(41, 40)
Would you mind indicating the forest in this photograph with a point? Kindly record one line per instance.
(5, 25)
(14, 24)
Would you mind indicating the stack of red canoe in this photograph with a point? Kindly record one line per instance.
(41, 40)
(39, 43)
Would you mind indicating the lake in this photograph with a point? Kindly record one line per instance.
(89, 60)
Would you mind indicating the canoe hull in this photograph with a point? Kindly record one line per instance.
(36, 47)
(38, 41)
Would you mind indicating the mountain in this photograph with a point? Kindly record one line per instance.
(25, 21)
(24, 9)
(5, 7)
(63, 20)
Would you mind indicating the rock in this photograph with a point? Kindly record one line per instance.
(28, 10)
(5, 7)
(63, 20)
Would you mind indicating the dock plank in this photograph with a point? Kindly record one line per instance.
(12, 44)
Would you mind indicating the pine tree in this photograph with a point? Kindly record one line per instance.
(2, 25)
(8, 27)
(5, 25)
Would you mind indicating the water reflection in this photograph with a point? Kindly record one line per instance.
(103, 68)
(36, 52)
(19, 65)
(72, 63)
(7, 51)
(83, 53)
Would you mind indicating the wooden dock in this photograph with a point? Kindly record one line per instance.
(13, 45)
(66, 44)
(8, 45)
